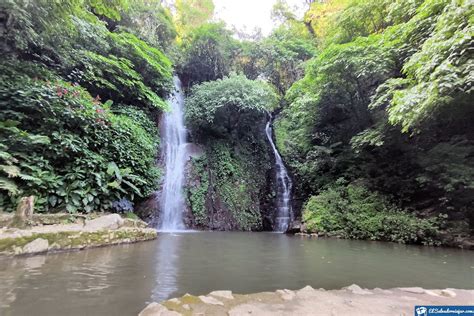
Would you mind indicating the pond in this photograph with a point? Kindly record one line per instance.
(121, 280)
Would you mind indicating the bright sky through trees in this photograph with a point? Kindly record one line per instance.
(246, 15)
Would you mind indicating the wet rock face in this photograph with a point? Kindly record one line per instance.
(149, 209)
(218, 214)
(295, 227)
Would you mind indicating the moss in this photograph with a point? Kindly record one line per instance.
(197, 192)
(189, 299)
(240, 177)
(131, 215)
(280, 128)
(79, 239)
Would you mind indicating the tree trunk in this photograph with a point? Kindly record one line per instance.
(24, 212)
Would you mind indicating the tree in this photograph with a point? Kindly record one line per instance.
(229, 107)
(438, 79)
(279, 58)
(191, 14)
(282, 12)
(151, 22)
(207, 54)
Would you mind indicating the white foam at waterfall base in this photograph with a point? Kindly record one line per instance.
(283, 186)
(175, 156)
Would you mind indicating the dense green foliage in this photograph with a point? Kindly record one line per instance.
(191, 14)
(207, 54)
(438, 77)
(226, 117)
(385, 102)
(229, 106)
(372, 101)
(68, 148)
(78, 93)
(279, 58)
(354, 212)
(198, 192)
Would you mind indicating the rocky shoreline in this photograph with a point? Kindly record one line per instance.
(351, 300)
(63, 232)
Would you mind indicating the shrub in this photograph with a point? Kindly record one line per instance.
(229, 107)
(352, 211)
(67, 148)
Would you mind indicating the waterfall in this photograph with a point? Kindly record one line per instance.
(174, 148)
(284, 184)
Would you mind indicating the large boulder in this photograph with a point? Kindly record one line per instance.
(295, 227)
(112, 221)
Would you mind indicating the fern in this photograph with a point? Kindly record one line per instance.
(9, 186)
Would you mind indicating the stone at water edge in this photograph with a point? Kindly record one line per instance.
(111, 221)
(286, 295)
(35, 246)
(355, 289)
(295, 227)
(309, 301)
(210, 300)
(174, 300)
(224, 294)
(155, 309)
(24, 212)
(448, 293)
(414, 290)
(306, 292)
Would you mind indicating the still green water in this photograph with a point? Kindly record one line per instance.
(121, 280)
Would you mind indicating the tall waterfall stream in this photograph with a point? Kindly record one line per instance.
(283, 186)
(174, 148)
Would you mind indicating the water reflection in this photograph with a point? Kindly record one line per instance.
(121, 280)
(166, 261)
(76, 283)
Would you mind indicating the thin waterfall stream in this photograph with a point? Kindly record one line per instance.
(283, 186)
(174, 149)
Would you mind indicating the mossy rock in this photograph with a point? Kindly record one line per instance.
(77, 239)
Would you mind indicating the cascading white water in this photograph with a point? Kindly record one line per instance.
(284, 185)
(174, 148)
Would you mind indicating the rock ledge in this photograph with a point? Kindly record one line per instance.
(101, 231)
(351, 300)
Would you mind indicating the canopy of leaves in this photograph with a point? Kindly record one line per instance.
(229, 105)
(191, 14)
(151, 22)
(72, 38)
(439, 77)
(207, 54)
(386, 68)
(278, 58)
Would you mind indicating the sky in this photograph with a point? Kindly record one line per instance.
(246, 15)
